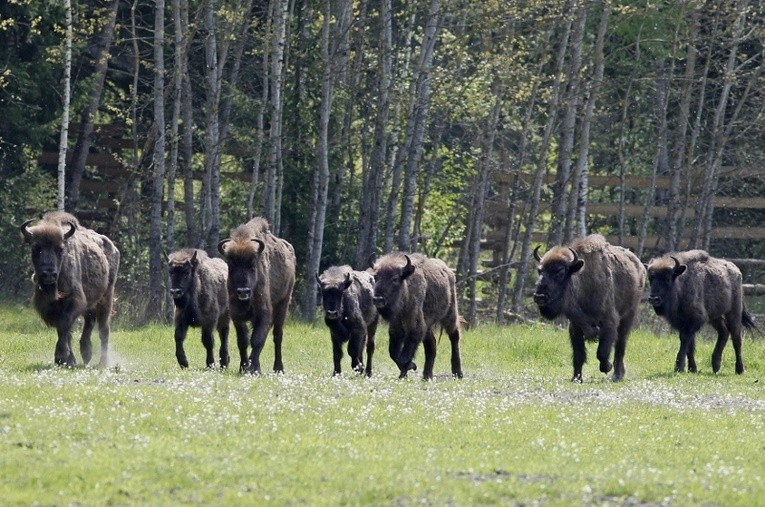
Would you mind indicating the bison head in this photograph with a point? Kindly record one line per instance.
(332, 290)
(47, 242)
(182, 272)
(242, 258)
(390, 280)
(661, 276)
(555, 271)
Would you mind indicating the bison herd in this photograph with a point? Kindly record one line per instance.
(596, 286)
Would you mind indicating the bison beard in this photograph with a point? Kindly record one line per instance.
(598, 287)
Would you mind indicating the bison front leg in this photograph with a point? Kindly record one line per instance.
(223, 328)
(209, 343)
(337, 352)
(687, 348)
(370, 351)
(180, 335)
(576, 336)
(242, 342)
(605, 344)
(258, 340)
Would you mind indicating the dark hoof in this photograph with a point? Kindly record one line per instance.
(605, 367)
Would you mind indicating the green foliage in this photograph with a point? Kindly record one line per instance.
(513, 431)
(22, 197)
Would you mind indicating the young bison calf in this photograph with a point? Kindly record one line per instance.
(350, 315)
(691, 289)
(198, 287)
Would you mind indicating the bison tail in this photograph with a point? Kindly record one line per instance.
(748, 321)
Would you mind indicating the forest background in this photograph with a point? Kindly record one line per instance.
(363, 127)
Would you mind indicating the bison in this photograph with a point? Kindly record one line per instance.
(598, 287)
(198, 287)
(691, 289)
(261, 276)
(414, 293)
(75, 270)
(350, 314)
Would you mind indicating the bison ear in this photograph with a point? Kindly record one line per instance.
(347, 282)
(576, 266)
(679, 269)
(408, 269)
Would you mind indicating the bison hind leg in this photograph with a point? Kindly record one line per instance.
(86, 346)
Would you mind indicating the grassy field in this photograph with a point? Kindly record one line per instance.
(513, 431)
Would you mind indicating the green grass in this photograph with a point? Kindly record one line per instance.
(513, 431)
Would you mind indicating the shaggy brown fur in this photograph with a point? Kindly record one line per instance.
(691, 289)
(415, 294)
(261, 276)
(598, 287)
(198, 287)
(349, 314)
(75, 273)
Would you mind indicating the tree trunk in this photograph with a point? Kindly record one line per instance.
(370, 204)
(63, 143)
(578, 199)
(272, 183)
(565, 153)
(536, 189)
(420, 112)
(82, 148)
(321, 178)
(156, 265)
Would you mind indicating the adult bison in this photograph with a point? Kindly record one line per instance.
(198, 287)
(75, 270)
(261, 276)
(414, 294)
(691, 289)
(598, 287)
(350, 315)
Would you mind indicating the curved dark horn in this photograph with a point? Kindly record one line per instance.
(677, 262)
(221, 246)
(318, 280)
(347, 283)
(536, 253)
(371, 259)
(72, 228)
(408, 262)
(261, 244)
(25, 229)
(576, 257)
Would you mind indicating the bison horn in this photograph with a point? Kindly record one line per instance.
(261, 244)
(536, 253)
(576, 257)
(347, 282)
(25, 229)
(371, 259)
(408, 268)
(318, 280)
(72, 228)
(222, 246)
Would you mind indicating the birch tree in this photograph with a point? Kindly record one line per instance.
(64, 137)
